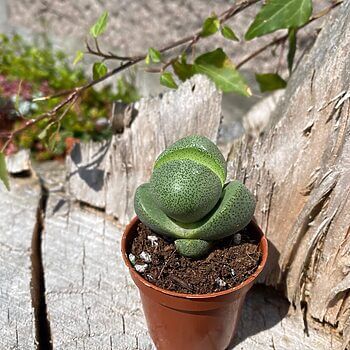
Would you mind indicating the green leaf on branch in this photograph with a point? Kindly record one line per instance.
(99, 69)
(220, 69)
(100, 26)
(4, 177)
(167, 80)
(228, 33)
(182, 69)
(292, 38)
(153, 56)
(277, 14)
(78, 57)
(50, 134)
(43, 134)
(210, 26)
(270, 82)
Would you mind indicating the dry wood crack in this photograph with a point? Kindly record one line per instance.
(42, 323)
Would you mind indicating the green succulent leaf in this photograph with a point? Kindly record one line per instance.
(220, 69)
(199, 149)
(100, 26)
(228, 33)
(181, 195)
(292, 39)
(167, 80)
(192, 248)
(277, 14)
(153, 56)
(270, 82)
(99, 69)
(210, 26)
(231, 214)
(4, 177)
(78, 57)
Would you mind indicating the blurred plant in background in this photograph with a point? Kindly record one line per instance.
(31, 71)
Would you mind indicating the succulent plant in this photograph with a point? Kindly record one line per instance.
(187, 198)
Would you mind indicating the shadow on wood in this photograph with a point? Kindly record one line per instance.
(91, 173)
(261, 316)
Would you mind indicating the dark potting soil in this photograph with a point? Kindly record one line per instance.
(227, 265)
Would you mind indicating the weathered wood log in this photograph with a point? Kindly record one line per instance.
(106, 175)
(300, 173)
(18, 218)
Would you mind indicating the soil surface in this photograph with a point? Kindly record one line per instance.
(232, 261)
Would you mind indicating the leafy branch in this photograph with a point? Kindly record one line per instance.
(274, 15)
(284, 37)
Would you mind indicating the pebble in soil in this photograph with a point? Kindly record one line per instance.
(230, 262)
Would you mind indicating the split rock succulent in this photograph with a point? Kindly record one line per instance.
(187, 198)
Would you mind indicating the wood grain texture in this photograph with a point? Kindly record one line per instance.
(268, 322)
(106, 175)
(18, 210)
(91, 301)
(299, 171)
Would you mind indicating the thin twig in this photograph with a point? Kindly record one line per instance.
(49, 97)
(191, 39)
(110, 55)
(262, 49)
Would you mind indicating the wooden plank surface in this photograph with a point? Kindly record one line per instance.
(18, 210)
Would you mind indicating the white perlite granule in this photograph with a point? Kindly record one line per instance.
(132, 258)
(220, 282)
(146, 257)
(141, 268)
(153, 240)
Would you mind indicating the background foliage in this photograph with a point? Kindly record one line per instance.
(30, 71)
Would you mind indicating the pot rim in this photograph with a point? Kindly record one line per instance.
(251, 278)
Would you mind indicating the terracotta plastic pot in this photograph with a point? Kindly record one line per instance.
(178, 321)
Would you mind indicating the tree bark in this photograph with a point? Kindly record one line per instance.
(299, 171)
